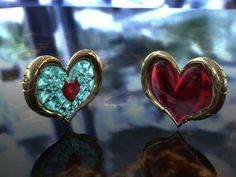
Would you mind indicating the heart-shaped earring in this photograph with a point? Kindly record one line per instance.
(195, 93)
(54, 91)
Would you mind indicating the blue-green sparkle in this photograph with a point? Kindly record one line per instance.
(51, 80)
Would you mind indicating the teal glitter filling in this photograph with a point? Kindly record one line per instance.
(51, 80)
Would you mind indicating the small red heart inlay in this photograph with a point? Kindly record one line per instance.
(184, 94)
(70, 90)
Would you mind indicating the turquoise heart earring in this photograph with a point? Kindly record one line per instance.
(54, 91)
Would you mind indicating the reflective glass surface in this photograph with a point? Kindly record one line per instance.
(123, 128)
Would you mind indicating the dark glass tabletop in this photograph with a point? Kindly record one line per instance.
(120, 133)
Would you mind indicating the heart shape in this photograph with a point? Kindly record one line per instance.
(53, 91)
(173, 156)
(80, 155)
(73, 155)
(194, 93)
(70, 90)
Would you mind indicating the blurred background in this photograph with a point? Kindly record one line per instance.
(199, 4)
(122, 33)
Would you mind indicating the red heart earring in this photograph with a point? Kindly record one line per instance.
(195, 93)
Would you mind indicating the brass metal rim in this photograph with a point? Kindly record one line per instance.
(216, 73)
(32, 71)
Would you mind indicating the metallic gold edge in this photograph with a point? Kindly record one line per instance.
(34, 68)
(145, 79)
(219, 89)
(97, 66)
(216, 72)
(29, 84)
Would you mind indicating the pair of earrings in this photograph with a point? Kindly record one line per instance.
(195, 93)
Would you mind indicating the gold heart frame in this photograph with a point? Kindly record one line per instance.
(33, 70)
(217, 74)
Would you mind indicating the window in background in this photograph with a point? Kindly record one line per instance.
(137, 3)
(45, 2)
(13, 40)
(187, 4)
(89, 3)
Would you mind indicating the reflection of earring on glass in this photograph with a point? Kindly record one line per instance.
(73, 155)
(53, 91)
(195, 93)
(173, 156)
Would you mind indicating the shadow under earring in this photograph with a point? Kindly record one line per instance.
(54, 91)
(195, 93)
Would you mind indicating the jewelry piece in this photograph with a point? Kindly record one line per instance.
(195, 93)
(54, 91)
